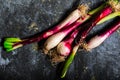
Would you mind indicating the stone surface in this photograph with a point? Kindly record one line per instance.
(28, 63)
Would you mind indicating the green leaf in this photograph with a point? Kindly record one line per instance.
(97, 9)
(7, 44)
(8, 50)
(110, 16)
(67, 64)
(69, 61)
(12, 39)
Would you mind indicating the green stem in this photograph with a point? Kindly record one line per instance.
(69, 61)
(101, 7)
(97, 9)
(112, 15)
(67, 64)
(12, 40)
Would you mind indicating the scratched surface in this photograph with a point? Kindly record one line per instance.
(29, 63)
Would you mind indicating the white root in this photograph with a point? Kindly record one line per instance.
(53, 41)
(76, 14)
(62, 49)
(96, 41)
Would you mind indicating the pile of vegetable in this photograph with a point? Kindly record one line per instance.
(70, 35)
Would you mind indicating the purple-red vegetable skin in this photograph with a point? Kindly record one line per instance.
(64, 47)
(98, 39)
(84, 31)
(55, 39)
(106, 11)
(13, 43)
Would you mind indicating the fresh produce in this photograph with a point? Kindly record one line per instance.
(13, 43)
(55, 39)
(68, 36)
(64, 47)
(101, 37)
(112, 7)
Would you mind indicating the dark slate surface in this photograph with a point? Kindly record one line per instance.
(28, 63)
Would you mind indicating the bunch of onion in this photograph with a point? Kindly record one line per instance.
(64, 47)
(53, 40)
(78, 16)
(13, 43)
(57, 36)
(70, 32)
(114, 8)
